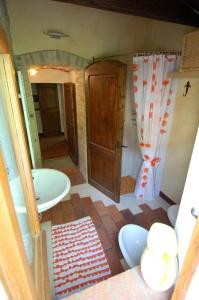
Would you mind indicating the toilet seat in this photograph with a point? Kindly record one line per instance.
(132, 241)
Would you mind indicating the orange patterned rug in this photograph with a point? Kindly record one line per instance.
(78, 257)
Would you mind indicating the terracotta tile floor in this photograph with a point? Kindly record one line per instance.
(54, 153)
(107, 219)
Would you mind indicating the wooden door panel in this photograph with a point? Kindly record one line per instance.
(49, 107)
(103, 110)
(105, 82)
(71, 121)
(50, 124)
(102, 170)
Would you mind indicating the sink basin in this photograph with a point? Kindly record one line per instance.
(51, 186)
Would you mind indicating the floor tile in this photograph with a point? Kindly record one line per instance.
(113, 261)
(104, 238)
(115, 213)
(100, 207)
(108, 224)
(107, 218)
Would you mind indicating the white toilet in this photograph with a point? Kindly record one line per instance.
(132, 241)
(172, 213)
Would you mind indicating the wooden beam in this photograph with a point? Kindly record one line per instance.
(181, 12)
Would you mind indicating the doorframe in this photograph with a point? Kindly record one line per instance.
(14, 269)
(9, 91)
(55, 59)
(74, 104)
(189, 259)
(189, 266)
(26, 115)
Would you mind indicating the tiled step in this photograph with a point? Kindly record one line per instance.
(57, 216)
(161, 216)
(101, 208)
(109, 224)
(87, 204)
(75, 200)
(113, 261)
(104, 238)
(115, 213)
(128, 215)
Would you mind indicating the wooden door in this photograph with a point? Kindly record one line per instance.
(105, 82)
(49, 107)
(71, 120)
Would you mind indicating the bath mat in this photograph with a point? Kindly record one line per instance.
(78, 257)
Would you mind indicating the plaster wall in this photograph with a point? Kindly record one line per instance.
(92, 32)
(183, 133)
(50, 76)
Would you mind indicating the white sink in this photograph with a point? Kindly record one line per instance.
(51, 186)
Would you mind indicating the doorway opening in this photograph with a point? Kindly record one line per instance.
(54, 98)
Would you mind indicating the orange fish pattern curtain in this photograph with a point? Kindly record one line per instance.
(154, 96)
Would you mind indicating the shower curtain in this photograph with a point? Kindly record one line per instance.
(154, 96)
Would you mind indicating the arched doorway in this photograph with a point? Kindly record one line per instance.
(66, 62)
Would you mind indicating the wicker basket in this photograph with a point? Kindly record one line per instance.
(190, 52)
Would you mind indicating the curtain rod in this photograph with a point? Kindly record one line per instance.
(158, 52)
(140, 54)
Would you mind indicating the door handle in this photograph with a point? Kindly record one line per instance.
(123, 146)
(195, 212)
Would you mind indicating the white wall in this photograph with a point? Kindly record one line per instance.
(182, 137)
(193, 288)
(185, 221)
(93, 32)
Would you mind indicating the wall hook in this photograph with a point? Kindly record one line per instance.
(187, 87)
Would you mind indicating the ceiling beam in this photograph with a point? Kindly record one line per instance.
(176, 11)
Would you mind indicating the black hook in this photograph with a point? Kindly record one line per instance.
(187, 87)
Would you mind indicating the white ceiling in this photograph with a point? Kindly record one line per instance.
(92, 32)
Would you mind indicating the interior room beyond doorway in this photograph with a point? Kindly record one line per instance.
(55, 111)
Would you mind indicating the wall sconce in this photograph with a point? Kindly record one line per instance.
(32, 72)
